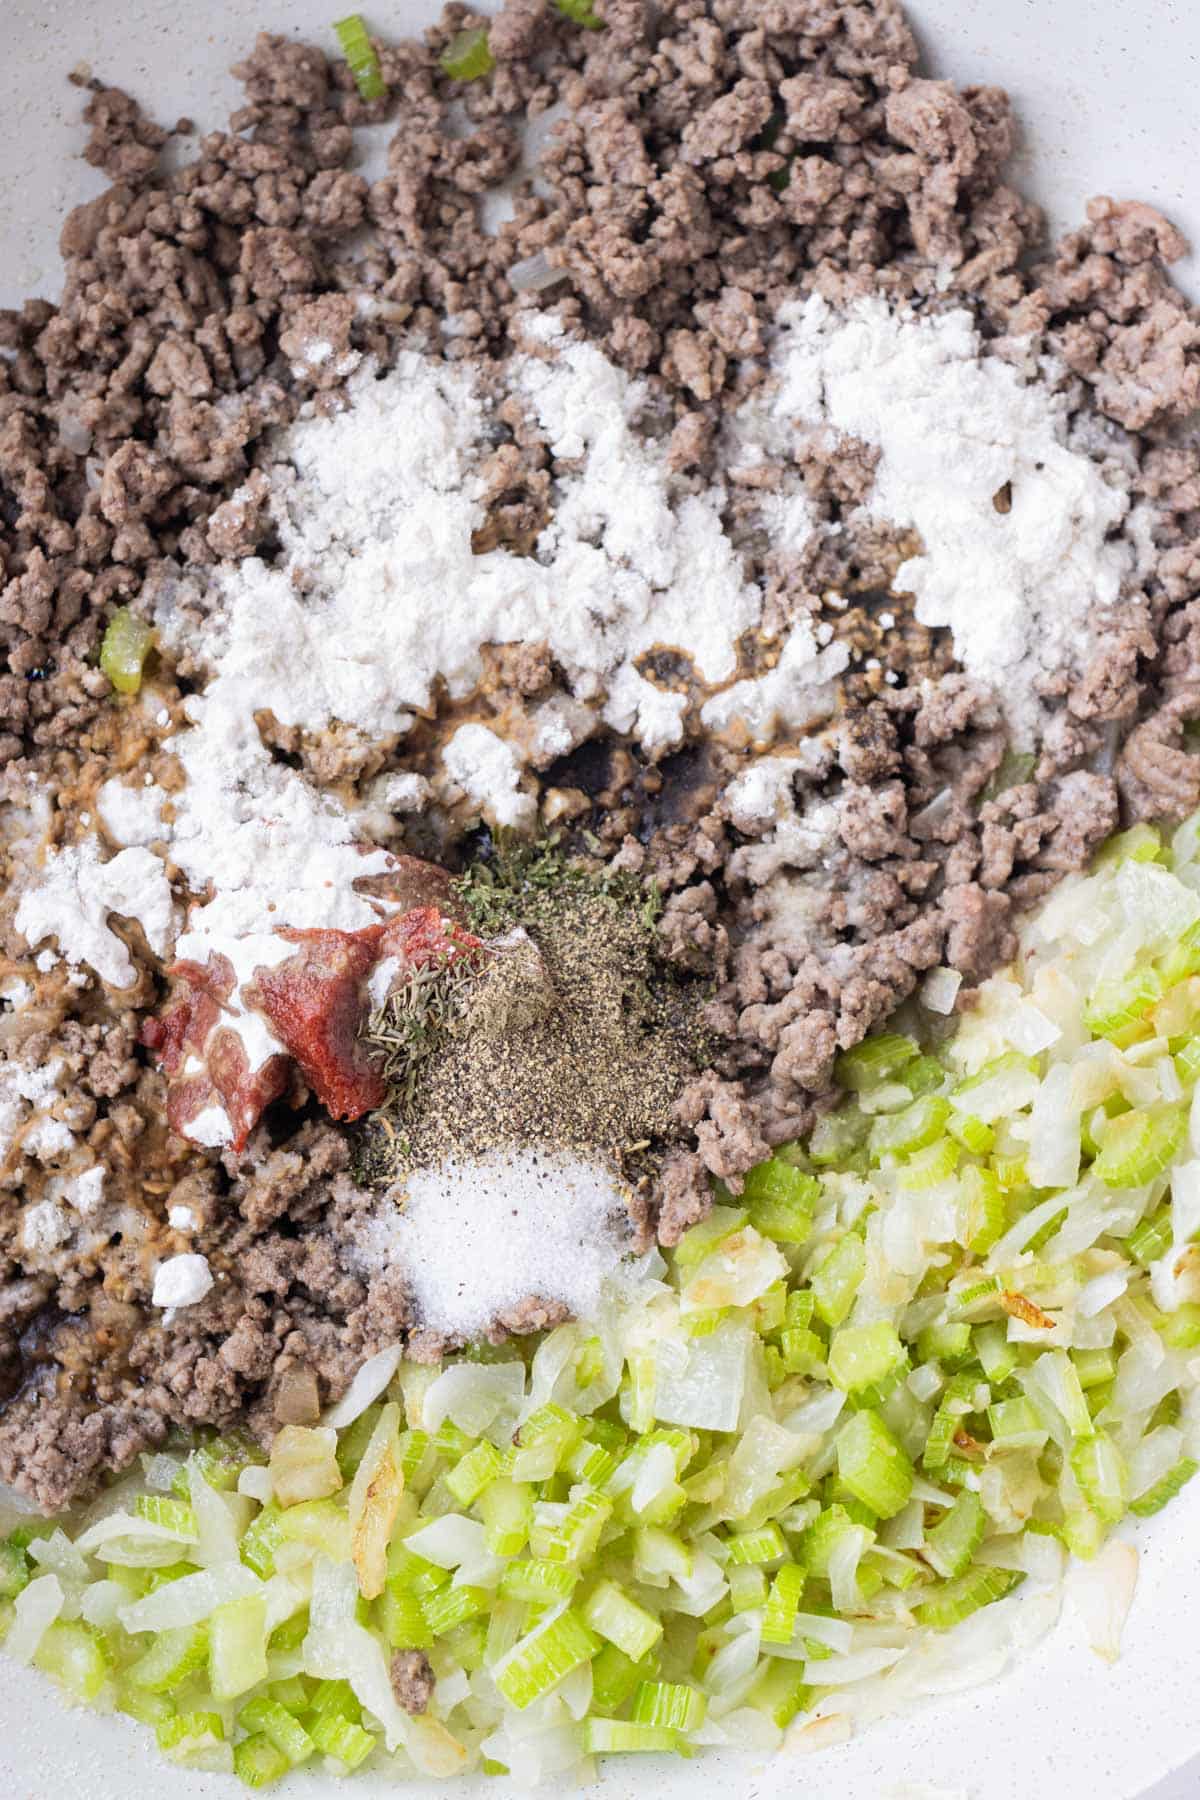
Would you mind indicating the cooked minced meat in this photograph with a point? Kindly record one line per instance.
(715, 160)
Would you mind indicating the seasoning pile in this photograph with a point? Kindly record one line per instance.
(760, 509)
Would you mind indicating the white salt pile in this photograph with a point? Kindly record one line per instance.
(476, 1238)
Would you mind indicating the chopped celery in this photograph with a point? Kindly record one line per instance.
(861, 1356)
(1151, 1239)
(872, 1464)
(958, 1599)
(127, 643)
(781, 1692)
(476, 1471)
(780, 1199)
(468, 56)
(918, 1125)
(874, 1060)
(361, 55)
(607, 1737)
(14, 1569)
(506, 1508)
(1099, 1469)
(953, 1541)
(838, 1277)
(763, 1546)
(237, 1647)
(277, 1724)
(75, 1656)
(450, 1606)
(1139, 1145)
(402, 1616)
(783, 1603)
(172, 1657)
(1155, 1498)
(340, 1738)
(257, 1761)
(615, 1676)
(614, 1616)
(537, 1664)
(580, 12)
(673, 1704)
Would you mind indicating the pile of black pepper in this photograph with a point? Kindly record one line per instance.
(573, 1031)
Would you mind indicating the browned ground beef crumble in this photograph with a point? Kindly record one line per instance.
(715, 159)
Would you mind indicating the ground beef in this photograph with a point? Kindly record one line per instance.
(413, 1680)
(714, 161)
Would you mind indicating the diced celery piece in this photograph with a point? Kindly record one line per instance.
(783, 1603)
(74, 1655)
(537, 1664)
(837, 1137)
(671, 1703)
(184, 1736)
(257, 1761)
(237, 1647)
(876, 1059)
(872, 1464)
(450, 1606)
(1155, 1498)
(580, 12)
(1139, 1145)
(929, 1167)
(1114, 1004)
(979, 1587)
(614, 1616)
(402, 1617)
(537, 1579)
(338, 1737)
(1181, 1328)
(476, 1471)
(781, 1692)
(261, 1539)
(506, 1508)
(765, 1545)
(862, 1356)
(997, 1357)
(912, 1129)
(1151, 1239)
(780, 1199)
(982, 1209)
(277, 1724)
(573, 1538)
(837, 1279)
(607, 1737)
(702, 1239)
(361, 56)
(173, 1515)
(947, 1342)
(747, 1586)
(14, 1569)
(127, 643)
(1017, 1425)
(971, 1133)
(171, 1658)
(615, 1676)
(1099, 1468)
(953, 1541)
(467, 55)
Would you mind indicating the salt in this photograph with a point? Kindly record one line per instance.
(476, 1238)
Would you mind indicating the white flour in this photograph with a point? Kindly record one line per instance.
(1018, 588)
(76, 893)
(377, 507)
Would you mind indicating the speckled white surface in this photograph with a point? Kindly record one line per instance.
(1107, 91)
